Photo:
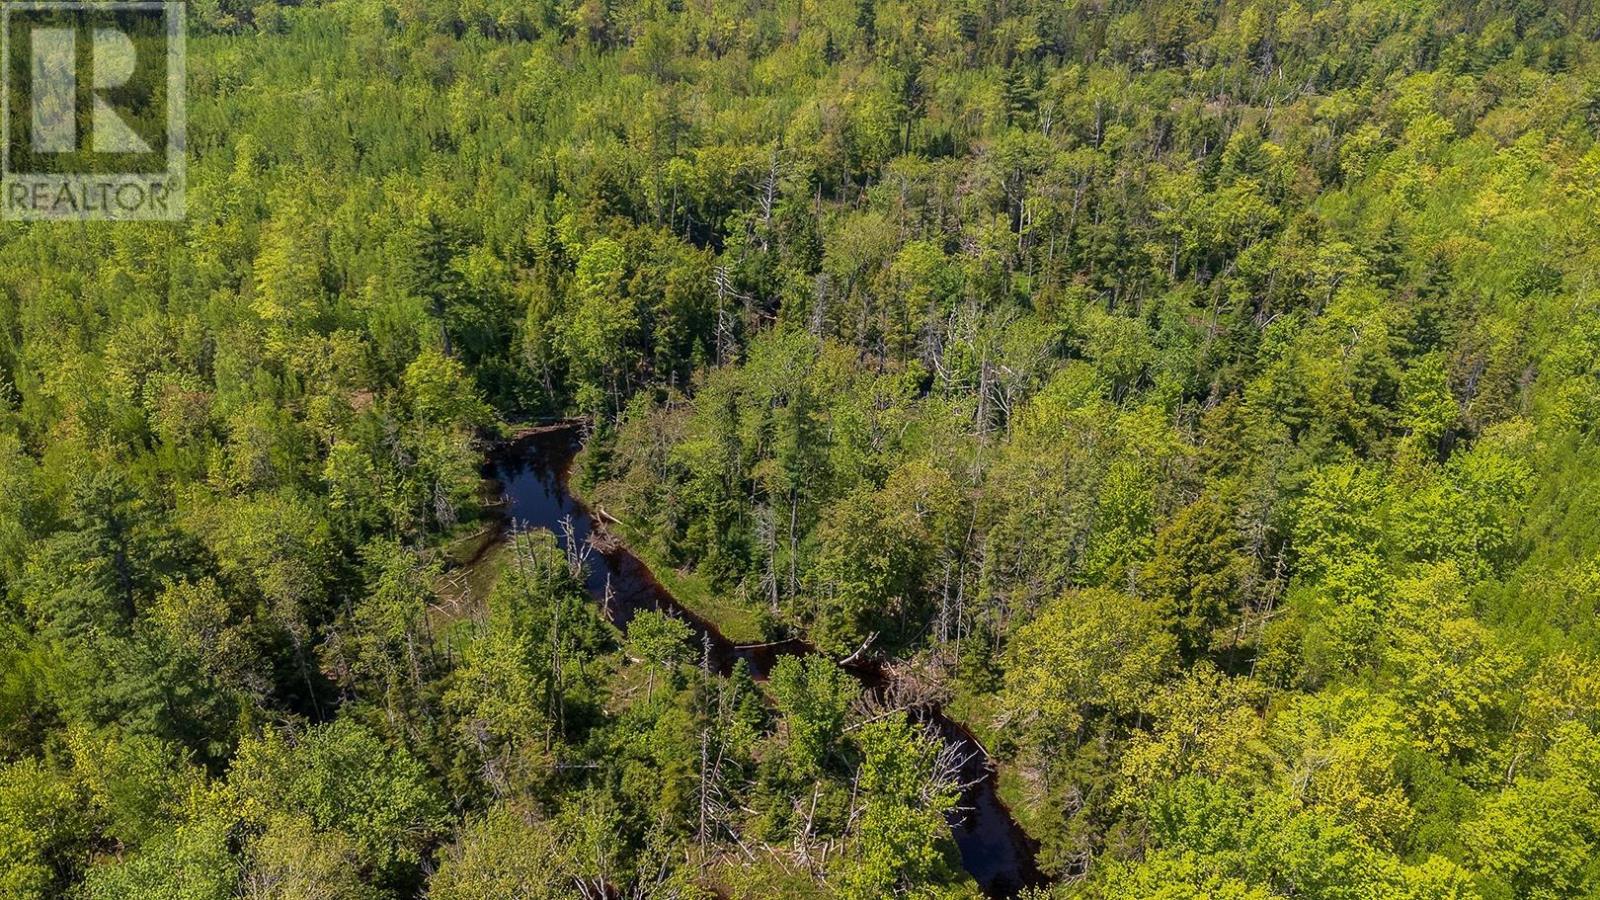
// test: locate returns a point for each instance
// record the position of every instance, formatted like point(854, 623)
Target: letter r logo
point(55, 106)
point(92, 109)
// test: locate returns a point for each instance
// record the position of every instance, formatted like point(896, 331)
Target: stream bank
point(532, 470)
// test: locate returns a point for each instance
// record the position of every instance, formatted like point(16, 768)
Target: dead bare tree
point(945, 774)
point(578, 552)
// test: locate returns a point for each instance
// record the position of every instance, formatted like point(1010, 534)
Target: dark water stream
point(532, 472)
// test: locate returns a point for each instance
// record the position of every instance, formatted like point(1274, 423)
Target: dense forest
point(1197, 399)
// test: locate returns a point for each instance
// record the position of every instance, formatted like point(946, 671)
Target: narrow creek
point(532, 472)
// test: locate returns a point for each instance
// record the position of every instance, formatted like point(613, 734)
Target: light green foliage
point(876, 550)
point(388, 651)
point(507, 853)
point(1169, 876)
point(1085, 649)
point(438, 390)
point(292, 859)
point(1466, 513)
point(1205, 724)
point(1537, 837)
point(603, 320)
point(44, 828)
point(901, 839)
point(19, 510)
point(1340, 534)
point(344, 780)
point(1426, 401)
point(1345, 750)
point(191, 861)
point(814, 696)
point(657, 640)
point(201, 625)
point(500, 696)
point(1453, 676)
point(289, 273)
point(138, 784)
